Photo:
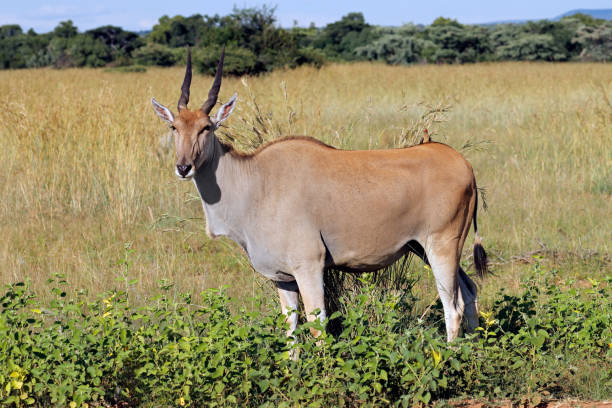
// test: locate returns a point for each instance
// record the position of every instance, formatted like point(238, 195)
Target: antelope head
point(194, 130)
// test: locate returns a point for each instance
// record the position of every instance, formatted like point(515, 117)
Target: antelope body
point(297, 206)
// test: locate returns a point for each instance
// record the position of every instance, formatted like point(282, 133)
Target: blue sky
point(44, 15)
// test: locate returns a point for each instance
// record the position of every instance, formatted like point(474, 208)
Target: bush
point(308, 56)
point(457, 43)
point(596, 42)
point(76, 352)
point(238, 61)
point(86, 51)
point(535, 47)
point(394, 49)
point(155, 54)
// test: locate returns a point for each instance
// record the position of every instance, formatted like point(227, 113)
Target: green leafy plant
point(181, 352)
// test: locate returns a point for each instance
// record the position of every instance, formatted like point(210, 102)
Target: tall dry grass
point(87, 170)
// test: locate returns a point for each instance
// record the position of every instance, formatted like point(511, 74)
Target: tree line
point(256, 44)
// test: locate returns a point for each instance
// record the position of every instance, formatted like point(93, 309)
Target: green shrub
point(596, 42)
point(535, 47)
point(394, 49)
point(238, 61)
point(307, 56)
point(74, 351)
point(155, 54)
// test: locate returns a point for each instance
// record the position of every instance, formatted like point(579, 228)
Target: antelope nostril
point(183, 169)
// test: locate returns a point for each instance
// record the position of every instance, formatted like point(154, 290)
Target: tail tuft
point(480, 258)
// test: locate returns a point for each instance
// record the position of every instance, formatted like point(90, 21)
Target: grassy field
point(88, 191)
point(87, 170)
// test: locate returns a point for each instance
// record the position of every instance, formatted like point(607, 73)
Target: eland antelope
point(298, 206)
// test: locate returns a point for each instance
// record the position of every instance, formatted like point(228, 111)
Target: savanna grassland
point(120, 306)
point(87, 168)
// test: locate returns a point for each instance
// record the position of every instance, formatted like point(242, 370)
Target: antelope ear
point(225, 110)
point(162, 111)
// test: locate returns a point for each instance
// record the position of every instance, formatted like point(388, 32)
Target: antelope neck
point(224, 183)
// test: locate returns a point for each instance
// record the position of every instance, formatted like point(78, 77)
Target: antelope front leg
point(289, 296)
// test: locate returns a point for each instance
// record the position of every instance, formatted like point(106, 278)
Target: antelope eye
point(172, 128)
point(204, 129)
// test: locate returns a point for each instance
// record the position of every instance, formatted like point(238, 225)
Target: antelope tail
point(480, 256)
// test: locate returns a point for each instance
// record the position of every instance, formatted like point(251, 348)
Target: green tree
point(19, 50)
point(585, 19)
point(254, 29)
point(238, 60)
point(402, 45)
point(595, 42)
point(502, 35)
point(10, 30)
point(534, 47)
point(443, 21)
point(155, 54)
point(537, 40)
point(341, 39)
point(86, 51)
point(561, 33)
point(120, 42)
point(454, 42)
point(304, 37)
point(65, 29)
point(177, 31)
point(249, 32)
point(256, 44)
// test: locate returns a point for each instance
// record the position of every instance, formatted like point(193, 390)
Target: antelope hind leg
point(469, 294)
point(444, 265)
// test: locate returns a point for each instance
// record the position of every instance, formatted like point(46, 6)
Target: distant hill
point(605, 14)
